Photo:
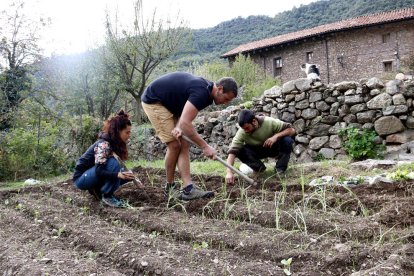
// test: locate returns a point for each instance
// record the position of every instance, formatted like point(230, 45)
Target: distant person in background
point(98, 169)
point(171, 103)
point(260, 137)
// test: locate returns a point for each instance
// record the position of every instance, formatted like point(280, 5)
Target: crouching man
point(260, 137)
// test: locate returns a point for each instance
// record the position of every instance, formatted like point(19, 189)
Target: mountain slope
point(212, 42)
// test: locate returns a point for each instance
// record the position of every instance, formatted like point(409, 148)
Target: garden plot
point(276, 228)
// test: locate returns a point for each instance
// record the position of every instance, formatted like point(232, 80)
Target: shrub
point(249, 76)
point(24, 153)
point(360, 144)
point(85, 132)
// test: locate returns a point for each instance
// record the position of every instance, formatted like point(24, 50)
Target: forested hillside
point(212, 42)
point(52, 107)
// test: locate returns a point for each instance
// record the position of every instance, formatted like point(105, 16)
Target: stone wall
point(317, 111)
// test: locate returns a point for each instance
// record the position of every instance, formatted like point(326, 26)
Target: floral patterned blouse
point(96, 155)
point(102, 152)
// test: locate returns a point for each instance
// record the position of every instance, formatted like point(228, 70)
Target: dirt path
point(59, 230)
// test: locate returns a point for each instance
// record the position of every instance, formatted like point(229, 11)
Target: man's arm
point(290, 131)
point(230, 175)
point(185, 125)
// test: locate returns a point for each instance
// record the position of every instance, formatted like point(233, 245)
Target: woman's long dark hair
point(110, 132)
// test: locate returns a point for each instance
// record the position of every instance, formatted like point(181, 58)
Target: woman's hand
point(126, 175)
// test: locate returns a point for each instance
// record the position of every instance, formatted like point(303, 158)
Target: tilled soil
point(60, 230)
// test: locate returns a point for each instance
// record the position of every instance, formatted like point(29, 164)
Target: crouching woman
point(98, 169)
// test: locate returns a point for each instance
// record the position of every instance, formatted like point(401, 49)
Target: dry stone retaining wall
point(317, 111)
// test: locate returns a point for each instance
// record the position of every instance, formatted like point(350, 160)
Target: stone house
point(361, 47)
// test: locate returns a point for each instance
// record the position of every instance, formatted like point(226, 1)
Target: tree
point(79, 84)
point(19, 48)
point(135, 54)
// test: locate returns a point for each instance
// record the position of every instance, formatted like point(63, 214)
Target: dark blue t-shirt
point(173, 90)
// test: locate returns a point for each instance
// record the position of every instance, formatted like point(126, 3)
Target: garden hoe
point(245, 177)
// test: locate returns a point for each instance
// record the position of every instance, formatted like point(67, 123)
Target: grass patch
point(156, 164)
point(15, 185)
point(11, 185)
point(208, 167)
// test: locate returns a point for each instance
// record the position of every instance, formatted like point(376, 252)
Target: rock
point(410, 122)
point(315, 96)
point(393, 87)
point(318, 130)
point(388, 125)
point(366, 117)
point(324, 180)
point(370, 164)
point(298, 149)
point(274, 92)
point(381, 101)
point(342, 248)
point(310, 113)
point(144, 263)
point(327, 153)
point(379, 179)
point(398, 99)
point(374, 83)
point(400, 138)
point(46, 260)
point(394, 110)
point(400, 76)
point(302, 139)
point(318, 142)
point(288, 87)
point(302, 104)
point(354, 99)
point(345, 85)
point(335, 142)
point(303, 84)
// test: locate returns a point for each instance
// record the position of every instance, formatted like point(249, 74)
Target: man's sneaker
point(113, 201)
point(96, 193)
point(195, 193)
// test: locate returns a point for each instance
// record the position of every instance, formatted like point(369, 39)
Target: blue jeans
point(89, 180)
point(251, 155)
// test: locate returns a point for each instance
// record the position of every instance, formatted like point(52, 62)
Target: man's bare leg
point(184, 163)
point(171, 158)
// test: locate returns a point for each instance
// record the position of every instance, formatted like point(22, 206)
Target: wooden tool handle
point(245, 177)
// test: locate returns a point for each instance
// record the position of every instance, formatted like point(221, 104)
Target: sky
point(78, 25)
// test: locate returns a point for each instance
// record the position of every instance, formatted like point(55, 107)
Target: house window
point(386, 38)
point(309, 57)
point(387, 66)
point(277, 65)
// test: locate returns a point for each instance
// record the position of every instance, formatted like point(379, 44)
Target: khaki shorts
point(162, 120)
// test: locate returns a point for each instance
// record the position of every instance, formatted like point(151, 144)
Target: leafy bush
point(360, 144)
point(244, 70)
point(44, 146)
point(257, 88)
point(400, 174)
point(247, 105)
point(24, 153)
point(85, 132)
point(212, 71)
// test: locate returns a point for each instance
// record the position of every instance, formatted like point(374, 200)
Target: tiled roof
point(362, 21)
